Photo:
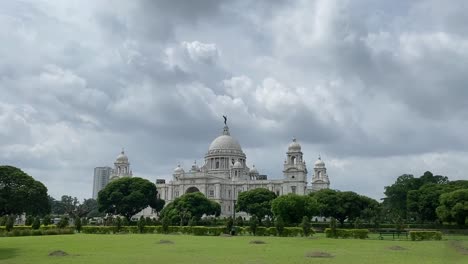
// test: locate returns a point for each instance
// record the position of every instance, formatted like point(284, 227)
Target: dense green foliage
point(420, 199)
point(189, 205)
point(292, 208)
point(256, 202)
point(127, 196)
point(20, 193)
point(347, 233)
point(346, 205)
point(36, 223)
point(454, 206)
point(425, 235)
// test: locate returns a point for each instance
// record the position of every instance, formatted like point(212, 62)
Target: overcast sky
point(377, 88)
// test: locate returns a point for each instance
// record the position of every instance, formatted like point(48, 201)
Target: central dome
point(225, 142)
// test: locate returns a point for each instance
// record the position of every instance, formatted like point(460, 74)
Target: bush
point(305, 226)
point(279, 224)
point(262, 231)
point(46, 221)
point(253, 224)
point(78, 224)
point(425, 235)
point(141, 224)
point(63, 222)
point(229, 225)
point(347, 233)
point(36, 223)
point(10, 221)
point(29, 220)
point(239, 221)
point(166, 221)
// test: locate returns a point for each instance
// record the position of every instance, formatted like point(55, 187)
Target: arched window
point(293, 160)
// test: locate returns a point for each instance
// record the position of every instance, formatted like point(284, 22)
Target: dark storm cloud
point(375, 83)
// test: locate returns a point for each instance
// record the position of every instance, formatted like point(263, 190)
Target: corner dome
point(178, 170)
point(254, 170)
point(294, 146)
point(319, 162)
point(122, 158)
point(237, 165)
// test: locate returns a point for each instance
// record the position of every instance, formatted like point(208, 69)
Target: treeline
point(426, 199)
point(266, 209)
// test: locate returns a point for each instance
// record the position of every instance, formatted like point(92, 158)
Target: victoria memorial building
point(225, 174)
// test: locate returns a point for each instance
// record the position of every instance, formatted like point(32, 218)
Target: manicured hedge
point(28, 231)
point(425, 235)
point(347, 233)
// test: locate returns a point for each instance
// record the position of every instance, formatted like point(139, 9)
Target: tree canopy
point(127, 196)
point(256, 202)
point(454, 206)
point(292, 208)
point(20, 193)
point(190, 205)
point(345, 205)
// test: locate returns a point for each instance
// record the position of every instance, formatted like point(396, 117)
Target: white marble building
point(225, 174)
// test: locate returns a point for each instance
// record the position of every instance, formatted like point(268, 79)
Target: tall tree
point(292, 208)
point(126, 196)
point(20, 193)
point(345, 205)
point(454, 206)
point(189, 205)
point(256, 202)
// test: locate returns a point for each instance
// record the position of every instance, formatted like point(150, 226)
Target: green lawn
point(134, 248)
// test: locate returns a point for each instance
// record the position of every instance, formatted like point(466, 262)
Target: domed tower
point(320, 179)
point(295, 170)
point(178, 172)
point(224, 152)
point(121, 167)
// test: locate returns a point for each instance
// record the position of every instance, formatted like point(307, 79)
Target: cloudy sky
point(378, 88)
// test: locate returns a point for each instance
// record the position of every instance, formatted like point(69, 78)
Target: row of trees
point(427, 199)
point(344, 206)
point(20, 193)
point(264, 206)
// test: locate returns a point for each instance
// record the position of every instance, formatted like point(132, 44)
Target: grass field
point(147, 248)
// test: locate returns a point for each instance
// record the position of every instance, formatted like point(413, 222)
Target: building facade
point(101, 179)
point(225, 174)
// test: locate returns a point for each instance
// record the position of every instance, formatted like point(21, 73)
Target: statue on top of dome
point(225, 120)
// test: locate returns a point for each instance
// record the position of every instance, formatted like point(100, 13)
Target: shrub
point(253, 224)
point(78, 224)
point(262, 231)
point(279, 224)
point(347, 233)
point(10, 221)
point(46, 221)
point(239, 221)
point(425, 235)
point(192, 221)
point(29, 220)
point(166, 221)
point(3, 220)
point(141, 224)
point(272, 231)
point(229, 224)
point(305, 226)
point(63, 222)
point(36, 223)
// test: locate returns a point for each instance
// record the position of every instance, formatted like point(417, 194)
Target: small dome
point(178, 170)
point(294, 146)
point(122, 158)
point(319, 163)
point(237, 165)
point(254, 170)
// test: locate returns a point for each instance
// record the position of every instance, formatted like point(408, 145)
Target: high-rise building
point(101, 179)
